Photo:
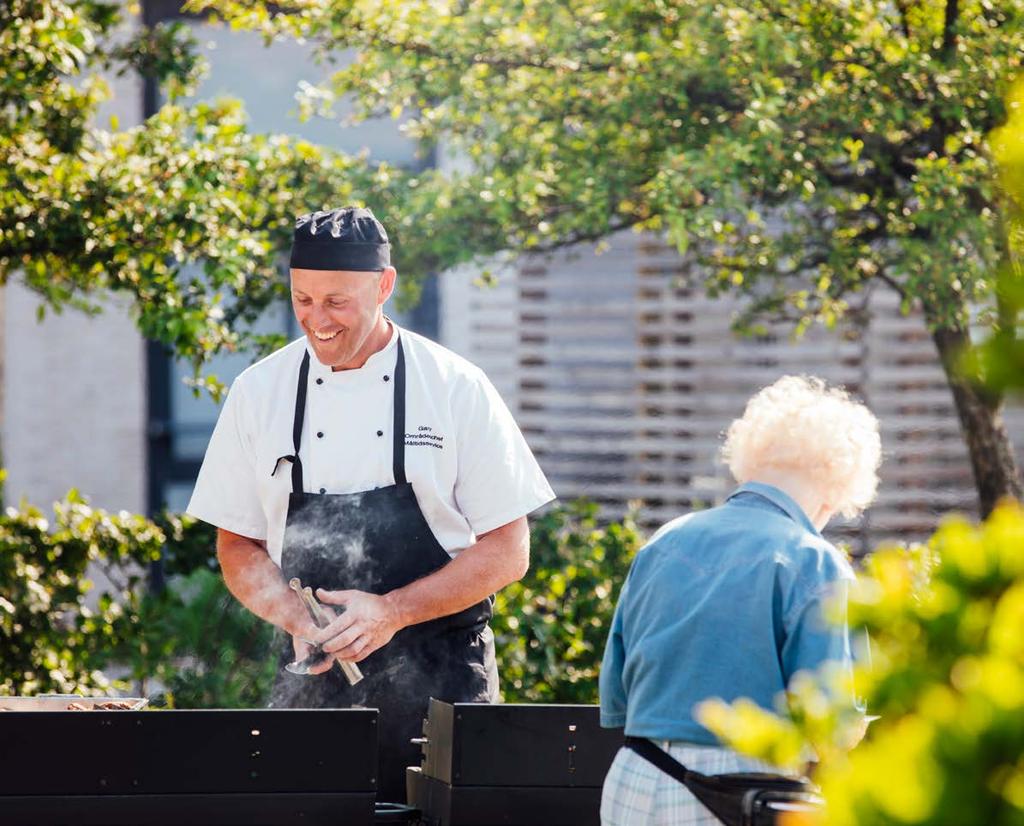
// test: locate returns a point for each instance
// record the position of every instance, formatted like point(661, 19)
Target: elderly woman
point(727, 602)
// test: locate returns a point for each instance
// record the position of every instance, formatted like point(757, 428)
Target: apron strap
point(300, 415)
point(398, 455)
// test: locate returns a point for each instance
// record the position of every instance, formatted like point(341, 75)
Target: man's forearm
point(496, 559)
point(256, 581)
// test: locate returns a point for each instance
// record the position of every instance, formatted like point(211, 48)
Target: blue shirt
point(724, 603)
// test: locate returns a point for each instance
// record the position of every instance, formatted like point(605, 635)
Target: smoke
point(353, 549)
point(325, 544)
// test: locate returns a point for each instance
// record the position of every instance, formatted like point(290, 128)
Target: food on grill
point(105, 705)
point(71, 702)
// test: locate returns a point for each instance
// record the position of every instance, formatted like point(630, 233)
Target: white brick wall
point(74, 406)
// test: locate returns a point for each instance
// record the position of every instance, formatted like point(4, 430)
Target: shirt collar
point(382, 360)
point(778, 498)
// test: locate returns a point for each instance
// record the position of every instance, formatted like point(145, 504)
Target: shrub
point(550, 627)
point(55, 635)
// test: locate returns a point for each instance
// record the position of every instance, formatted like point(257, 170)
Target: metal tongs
point(321, 619)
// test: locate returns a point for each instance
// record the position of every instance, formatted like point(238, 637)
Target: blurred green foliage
point(946, 678)
point(196, 647)
point(1000, 361)
point(60, 622)
point(551, 626)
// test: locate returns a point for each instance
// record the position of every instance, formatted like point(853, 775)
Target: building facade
point(624, 376)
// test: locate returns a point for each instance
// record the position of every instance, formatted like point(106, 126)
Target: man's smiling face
point(338, 309)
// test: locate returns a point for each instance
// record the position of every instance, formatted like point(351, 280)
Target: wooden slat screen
point(623, 376)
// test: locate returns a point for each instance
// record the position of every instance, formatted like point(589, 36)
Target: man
point(384, 472)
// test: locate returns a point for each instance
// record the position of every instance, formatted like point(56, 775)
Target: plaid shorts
point(637, 793)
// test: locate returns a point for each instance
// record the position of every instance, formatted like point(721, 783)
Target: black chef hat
point(350, 238)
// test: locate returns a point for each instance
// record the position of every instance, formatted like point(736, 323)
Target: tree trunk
point(992, 459)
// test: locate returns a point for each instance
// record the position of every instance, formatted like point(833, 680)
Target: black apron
point(377, 541)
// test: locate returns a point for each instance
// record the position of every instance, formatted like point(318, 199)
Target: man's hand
point(367, 624)
point(303, 650)
point(256, 581)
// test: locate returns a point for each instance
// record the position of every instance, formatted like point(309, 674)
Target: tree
point(799, 151)
point(186, 214)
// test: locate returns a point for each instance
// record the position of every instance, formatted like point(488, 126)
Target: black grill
point(171, 767)
point(542, 765)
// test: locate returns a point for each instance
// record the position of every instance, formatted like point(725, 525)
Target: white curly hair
point(801, 426)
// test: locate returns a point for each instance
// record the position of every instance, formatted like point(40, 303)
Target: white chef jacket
point(469, 465)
